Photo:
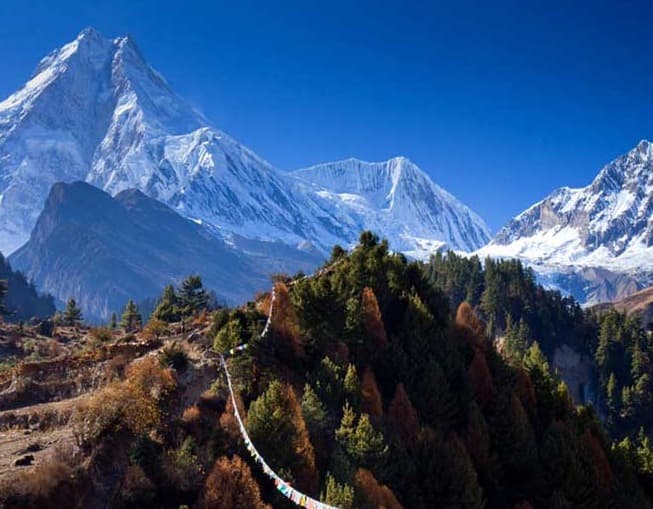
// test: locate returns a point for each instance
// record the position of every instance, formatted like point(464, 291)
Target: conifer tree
point(371, 402)
point(72, 315)
point(612, 394)
point(230, 484)
point(314, 412)
point(131, 319)
point(167, 308)
point(337, 494)
point(113, 324)
point(192, 295)
point(277, 427)
point(352, 386)
point(372, 494)
point(372, 320)
point(404, 415)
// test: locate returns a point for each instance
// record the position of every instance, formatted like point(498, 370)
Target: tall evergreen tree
point(72, 315)
point(192, 295)
point(131, 319)
point(167, 308)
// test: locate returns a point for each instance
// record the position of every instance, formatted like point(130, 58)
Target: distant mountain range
point(95, 111)
point(595, 242)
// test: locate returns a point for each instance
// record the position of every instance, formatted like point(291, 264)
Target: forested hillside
point(519, 311)
point(366, 390)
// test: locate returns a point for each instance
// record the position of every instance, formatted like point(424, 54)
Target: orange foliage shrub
point(371, 402)
point(404, 415)
point(191, 418)
point(230, 485)
point(481, 380)
point(372, 319)
point(374, 493)
point(133, 404)
point(154, 329)
point(228, 421)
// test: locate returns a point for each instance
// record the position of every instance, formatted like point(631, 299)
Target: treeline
point(20, 299)
point(506, 294)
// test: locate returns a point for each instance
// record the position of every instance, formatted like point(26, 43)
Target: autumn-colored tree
point(405, 416)
point(599, 459)
point(466, 317)
point(372, 494)
point(285, 323)
point(228, 421)
point(469, 326)
point(370, 396)
point(192, 420)
point(481, 379)
point(230, 485)
point(372, 319)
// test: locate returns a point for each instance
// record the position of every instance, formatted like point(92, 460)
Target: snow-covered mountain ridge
point(397, 198)
point(94, 110)
point(607, 225)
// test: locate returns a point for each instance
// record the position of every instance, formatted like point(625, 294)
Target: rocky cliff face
point(577, 371)
point(103, 251)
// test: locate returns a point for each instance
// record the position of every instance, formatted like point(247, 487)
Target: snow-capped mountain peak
point(95, 111)
point(607, 224)
point(396, 199)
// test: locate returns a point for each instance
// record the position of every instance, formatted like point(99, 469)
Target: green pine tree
point(72, 315)
point(352, 386)
point(167, 308)
point(337, 494)
point(314, 412)
point(192, 295)
point(131, 319)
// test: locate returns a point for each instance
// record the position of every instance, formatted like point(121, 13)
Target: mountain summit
point(95, 111)
point(397, 199)
point(605, 226)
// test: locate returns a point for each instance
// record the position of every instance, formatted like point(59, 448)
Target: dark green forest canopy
point(428, 407)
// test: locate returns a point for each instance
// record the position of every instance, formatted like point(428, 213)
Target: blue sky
point(500, 102)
